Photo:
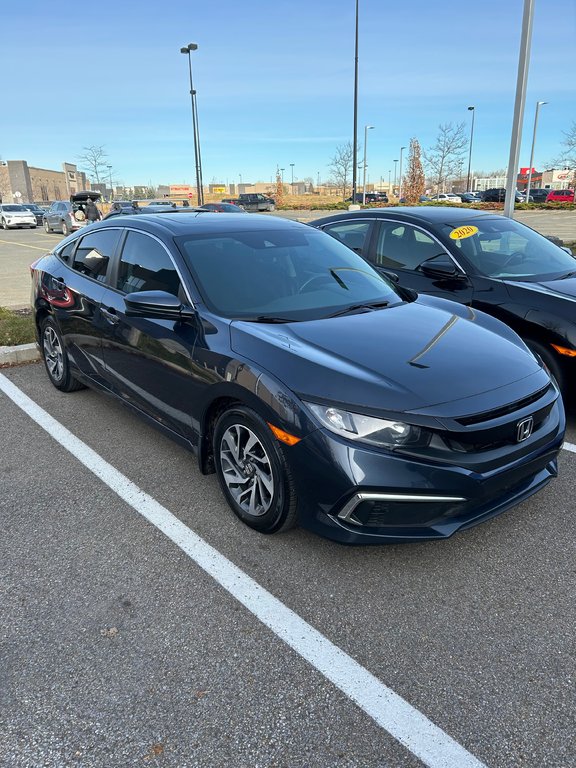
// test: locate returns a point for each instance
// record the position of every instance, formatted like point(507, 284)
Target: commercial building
point(22, 183)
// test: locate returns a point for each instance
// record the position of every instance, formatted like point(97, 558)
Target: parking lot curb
point(24, 353)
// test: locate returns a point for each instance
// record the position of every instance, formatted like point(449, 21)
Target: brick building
point(22, 183)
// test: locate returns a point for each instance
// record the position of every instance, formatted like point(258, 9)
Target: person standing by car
point(92, 212)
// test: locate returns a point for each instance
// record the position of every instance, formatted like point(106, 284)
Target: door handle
point(110, 316)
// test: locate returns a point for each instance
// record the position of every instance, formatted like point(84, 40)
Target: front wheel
point(4, 225)
point(47, 228)
point(252, 471)
point(550, 361)
point(56, 358)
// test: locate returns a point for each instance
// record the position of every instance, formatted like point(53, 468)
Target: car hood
point(407, 357)
point(565, 287)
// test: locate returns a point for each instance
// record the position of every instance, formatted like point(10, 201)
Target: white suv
point(16, 216)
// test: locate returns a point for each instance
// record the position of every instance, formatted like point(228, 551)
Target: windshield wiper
point(370, 306)
point(267, 319)
point(569, 274)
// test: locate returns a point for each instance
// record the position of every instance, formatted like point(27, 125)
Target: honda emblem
point(524, 429)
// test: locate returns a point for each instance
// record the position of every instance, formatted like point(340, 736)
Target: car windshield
point(283, 274)
point(13, 208)
point(502, 248)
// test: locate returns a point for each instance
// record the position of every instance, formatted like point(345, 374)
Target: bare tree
point(93, 161)
point(568, 157)
point(341, 166)
point(415, 183)
point(444, 158)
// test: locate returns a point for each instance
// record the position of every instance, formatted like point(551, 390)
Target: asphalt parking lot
point(126, 641)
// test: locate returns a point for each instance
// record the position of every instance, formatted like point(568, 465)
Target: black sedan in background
point(317, 390)
point(36, 210)
point(480, 259)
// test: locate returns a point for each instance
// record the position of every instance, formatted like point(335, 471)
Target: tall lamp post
point(282, 175)
point(400, 179)
point(355, 141)
point(395, 169)
point(110, 174)
point(470, 109)
point(193, 47)
point(389, 177)
point(366, 129)
point(292, 182)
point(538, 105)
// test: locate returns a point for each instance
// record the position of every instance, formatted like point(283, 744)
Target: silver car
point(64, 216)
point(16, 216)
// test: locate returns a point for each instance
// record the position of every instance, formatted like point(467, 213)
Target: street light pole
point(395, 169)
point(292, 182)
point(110, 174)
point(470, 109)
point(355, 142)
point(366, 129)
point(400, 179)
point(538, 105)
point(521, 82)
point(200, 192)
point(282, 175)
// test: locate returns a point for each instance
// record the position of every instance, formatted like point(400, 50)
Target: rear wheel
point(56, 358)
point(253, 472)
point(65, 229)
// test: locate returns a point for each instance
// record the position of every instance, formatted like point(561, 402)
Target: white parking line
point(389, 710)
point(569, 447)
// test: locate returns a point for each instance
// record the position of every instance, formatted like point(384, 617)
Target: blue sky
point(274, 82)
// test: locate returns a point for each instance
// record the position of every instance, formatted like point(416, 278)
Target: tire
point(56, 358)
point(4, 225)
point(271, 208)
point(65, 229)
point(253, 472)
point(550, 361)
point(47, 227)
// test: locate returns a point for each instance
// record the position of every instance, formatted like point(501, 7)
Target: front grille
point(478, 418)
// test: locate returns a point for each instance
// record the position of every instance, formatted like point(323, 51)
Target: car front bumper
point(355, 494)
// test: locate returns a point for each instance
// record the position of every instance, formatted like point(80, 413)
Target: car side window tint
point(66, 252)
point(404, 247)
point(354, 234)
point(94, 252)
point(146, 266)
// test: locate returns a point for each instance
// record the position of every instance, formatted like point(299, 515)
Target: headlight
point(367, 429)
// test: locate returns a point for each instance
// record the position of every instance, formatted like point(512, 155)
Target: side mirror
point(160, 304)
point(439, 267)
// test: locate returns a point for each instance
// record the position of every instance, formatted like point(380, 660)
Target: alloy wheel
point(247, 470)
point(53, 354)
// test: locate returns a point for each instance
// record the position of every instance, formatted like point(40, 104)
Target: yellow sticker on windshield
point(461, 232)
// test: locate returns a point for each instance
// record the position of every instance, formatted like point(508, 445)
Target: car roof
point(200, 222)
point(433, 214)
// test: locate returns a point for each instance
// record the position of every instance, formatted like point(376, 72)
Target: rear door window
point(94, 253)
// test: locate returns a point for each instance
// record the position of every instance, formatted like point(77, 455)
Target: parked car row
point(498, 195)
point(373, 413)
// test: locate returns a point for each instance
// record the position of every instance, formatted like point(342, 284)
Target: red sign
point(190, 194)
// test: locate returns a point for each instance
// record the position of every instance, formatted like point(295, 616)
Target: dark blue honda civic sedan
point(317, 390)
